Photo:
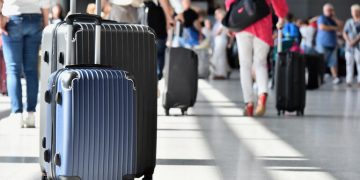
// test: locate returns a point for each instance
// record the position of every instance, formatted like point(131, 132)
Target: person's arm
point(3, 19)
point(45, 14)
point(281, 10)
point(355, 41)
point(328, 27)
point(219, 31)
point(324, 27)
point(197, 24)
point(345, 35)
point(45, 8)
point(168, 10)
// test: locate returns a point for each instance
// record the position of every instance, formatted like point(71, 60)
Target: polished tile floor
point(215, 142)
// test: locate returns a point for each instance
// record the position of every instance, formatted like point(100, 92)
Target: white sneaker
point(29, 120)
point(336, 81)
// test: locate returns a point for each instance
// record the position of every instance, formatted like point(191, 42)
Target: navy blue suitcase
point(91, 128)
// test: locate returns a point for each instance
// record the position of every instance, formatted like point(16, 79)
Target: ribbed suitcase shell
point(123, 46)
point(95, 127)
point(290, 82)
point(181, 78)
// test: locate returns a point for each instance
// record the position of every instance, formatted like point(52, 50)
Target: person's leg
point(32, 42)
point(261, 71)
point(349, 56)
point(357, 60)
point(260, 65)
point(245, 47)
point(332, 62)
point(13, 48)
point(161, 47)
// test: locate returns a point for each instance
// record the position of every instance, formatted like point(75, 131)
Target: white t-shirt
point(307, 33)
point(17, 7)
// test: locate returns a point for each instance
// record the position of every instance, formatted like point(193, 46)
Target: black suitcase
point(181, 79)
point(314, 66)
point(123, 46)
point(290, 85)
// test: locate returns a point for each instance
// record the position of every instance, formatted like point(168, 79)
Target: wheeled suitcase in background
point(123, 46)
point(204, 63)
point(290, 82)
point(91, 125)
point(314, 65)
point(181, 79)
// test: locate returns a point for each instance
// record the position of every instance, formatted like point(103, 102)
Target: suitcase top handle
point(87, 17)
point(69, 21)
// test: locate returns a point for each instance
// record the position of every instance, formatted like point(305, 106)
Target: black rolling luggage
point(128, 47)
point(181, 76)
point(314, 65)
point(181, 79)
point(290, 82)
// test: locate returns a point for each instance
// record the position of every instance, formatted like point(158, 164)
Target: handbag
point(243, 13)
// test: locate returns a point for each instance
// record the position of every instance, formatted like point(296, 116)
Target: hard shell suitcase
point(181, 79)
point(123, 46)
point(290, 85)
point(91, 125)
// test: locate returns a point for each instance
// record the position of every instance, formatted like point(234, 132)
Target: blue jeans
point(329, 54)
point(21, 52)
point(160, 48)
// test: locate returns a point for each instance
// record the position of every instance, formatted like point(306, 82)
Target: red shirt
point(263, 28)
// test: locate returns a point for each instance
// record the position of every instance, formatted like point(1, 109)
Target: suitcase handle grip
point(77, 66)
point(72, 17)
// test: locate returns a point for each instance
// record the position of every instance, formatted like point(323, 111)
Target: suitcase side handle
point(87, 17)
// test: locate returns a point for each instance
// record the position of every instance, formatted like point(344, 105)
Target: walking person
point(326, 39)
point(253, 45)
point(351, 35)
point(220, 67)
point(22, 23)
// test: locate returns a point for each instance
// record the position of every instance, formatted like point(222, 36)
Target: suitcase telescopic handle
point(70, 20)
point(279, 39)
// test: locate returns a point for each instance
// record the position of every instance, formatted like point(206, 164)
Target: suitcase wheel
point(43, 177)
point(184, 111)
point(300, 113)
point(61, 58)
point(58, 98)
point(281, 112)
point(46, 57)
point(167, 112)
point(147, 177)
point(47, 96)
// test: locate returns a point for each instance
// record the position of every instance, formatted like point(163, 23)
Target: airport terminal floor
point(215, 142)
